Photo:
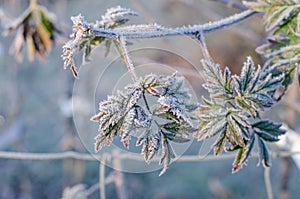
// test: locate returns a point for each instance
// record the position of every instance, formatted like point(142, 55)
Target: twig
point(47, 156)
point(123, 156)
point(268, 183)
point(102, 178)
point(209, 14)
point(137, 33)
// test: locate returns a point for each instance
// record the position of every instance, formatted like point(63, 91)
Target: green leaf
point(107, 47)
point(238, 162)
point(115, 16)
point(112, 114)
point(178, 132)
point(264, 156)
point(151, 144)
point(255, 88)
point(167, 155)
point(128, 113)
point(268, 130)
point(247, 74)
point(235, 116)
point(175, 137)
point(235, 133)
point(243, 154)
point(87, 53)
point(218, 84)
point(282, 48)
point(259, 6)
point(219, 145)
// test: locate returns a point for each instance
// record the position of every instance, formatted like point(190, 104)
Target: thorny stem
point(126, 58)
point(163, 32)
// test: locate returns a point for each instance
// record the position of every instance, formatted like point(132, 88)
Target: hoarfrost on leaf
point(128, 111)
point(233, 111)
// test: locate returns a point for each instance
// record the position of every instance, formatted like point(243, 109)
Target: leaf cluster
point(36, 28)
point(233, 111)
point(82, 38)
point(282, 22)
point(128, 114)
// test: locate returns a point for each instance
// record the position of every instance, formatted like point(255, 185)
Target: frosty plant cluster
point(233, 109)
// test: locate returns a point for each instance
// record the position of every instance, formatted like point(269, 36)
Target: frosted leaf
point(143, 119)
point(115, 16)
point(234, 109)
point(167, 154)
point(116, 113)
point(219, 85)
point(255, 91)
point(83, 37)
point(282, 50)
point(151, 144)
point(128, 112)
point(127, 127)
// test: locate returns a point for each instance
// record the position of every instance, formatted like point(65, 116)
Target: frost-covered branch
point(235, 104)
point(135, 32)
point(123, 156)
point(86, 35)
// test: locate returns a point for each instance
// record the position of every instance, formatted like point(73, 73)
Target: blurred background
point(36, 112)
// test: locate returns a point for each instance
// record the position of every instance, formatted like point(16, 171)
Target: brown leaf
point(45, 37)
point(18, 45)
point(30, 48)
point(74, 70)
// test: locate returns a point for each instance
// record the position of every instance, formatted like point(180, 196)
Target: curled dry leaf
point(35, 28)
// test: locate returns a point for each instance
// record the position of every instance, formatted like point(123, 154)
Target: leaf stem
point(268, 183)
point(126, 58)
point(146, 102)
point(205, 52)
